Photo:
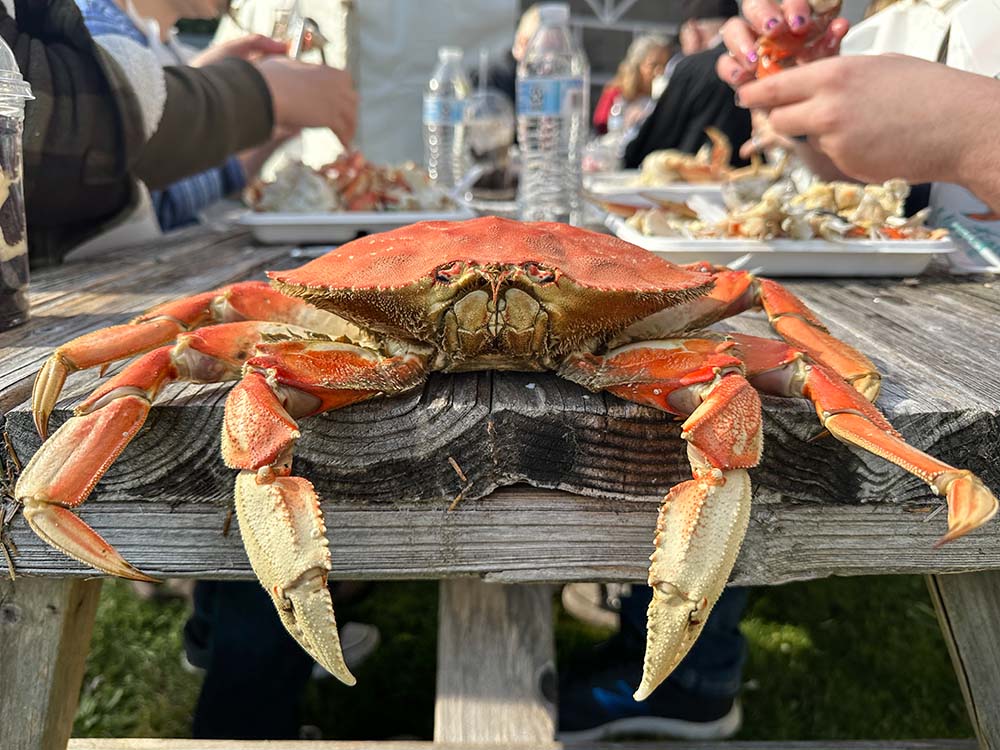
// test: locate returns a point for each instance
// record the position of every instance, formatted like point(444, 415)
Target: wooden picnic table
point(556, 485)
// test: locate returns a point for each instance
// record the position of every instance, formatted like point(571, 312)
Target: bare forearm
point(977, 153)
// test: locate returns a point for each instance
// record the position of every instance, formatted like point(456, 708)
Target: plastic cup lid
point(553, 13)
point(11, 82)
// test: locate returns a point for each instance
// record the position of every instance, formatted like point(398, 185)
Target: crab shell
point(491, 291)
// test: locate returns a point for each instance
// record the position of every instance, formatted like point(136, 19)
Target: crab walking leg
point(64, 471)
point(774, 367)
point(737, 291)
point(702, 521)
point(279, 514)
point(251, 300)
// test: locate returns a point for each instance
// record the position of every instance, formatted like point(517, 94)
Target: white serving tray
point(623, 187)
point(336, 227)
point(785, 257)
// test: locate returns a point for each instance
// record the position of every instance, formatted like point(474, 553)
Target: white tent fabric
point(397, 50)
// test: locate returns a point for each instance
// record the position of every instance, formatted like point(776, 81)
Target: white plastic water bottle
point(552, 107)
point(444, 131)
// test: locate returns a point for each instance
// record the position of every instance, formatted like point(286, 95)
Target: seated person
point(152, 27)
point(503, 76)
point(88, 139)
point(695, 98)
point(632, 87)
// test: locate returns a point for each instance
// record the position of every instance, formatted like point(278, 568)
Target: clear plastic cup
point(14, 92)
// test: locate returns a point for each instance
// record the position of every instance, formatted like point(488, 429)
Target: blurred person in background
point(89, 137)
point(695, 97)
point(630, 92)
point(115, 24)
point(503, 75)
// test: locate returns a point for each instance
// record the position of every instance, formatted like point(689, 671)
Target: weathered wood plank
point(45, 627)
point(496, 678)
point(524, 535)
point(153, 744)
point(968, 608)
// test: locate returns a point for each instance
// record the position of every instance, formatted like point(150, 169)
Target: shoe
point(357, 641)
point(595, 703)
point(596, 604)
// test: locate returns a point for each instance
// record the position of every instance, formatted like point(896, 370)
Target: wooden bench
point(557, 485)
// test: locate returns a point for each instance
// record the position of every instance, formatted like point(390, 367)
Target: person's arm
point(210, 113)
point(932, 123)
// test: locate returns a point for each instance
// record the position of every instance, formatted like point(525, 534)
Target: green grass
point(858, 658)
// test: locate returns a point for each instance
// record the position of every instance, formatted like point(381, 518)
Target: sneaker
point(589, 603)
point(357, 641)
point(598, 705)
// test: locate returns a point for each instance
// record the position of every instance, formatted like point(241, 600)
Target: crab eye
point(448, 273)
point(538, 273)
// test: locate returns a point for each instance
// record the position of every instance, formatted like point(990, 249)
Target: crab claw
point(64, 471)
point(698, 535)
point(970, 503)
point(285, 539)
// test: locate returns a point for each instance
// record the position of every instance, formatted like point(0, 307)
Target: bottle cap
point(553, 14)
point(445, 53)
point(11, 82)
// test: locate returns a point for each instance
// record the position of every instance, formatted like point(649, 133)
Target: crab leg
point(737, 291)
point(69, 464)
point(774, 367)
point(251, 300)
point(279, 514)
point(702, 521)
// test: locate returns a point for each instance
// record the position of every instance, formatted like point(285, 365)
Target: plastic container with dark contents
point(14, 91)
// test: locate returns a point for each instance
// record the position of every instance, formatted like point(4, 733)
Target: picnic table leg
point(968, 608)
point(45, 627)
point(496, 677)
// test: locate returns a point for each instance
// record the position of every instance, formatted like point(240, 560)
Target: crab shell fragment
point(376, 316)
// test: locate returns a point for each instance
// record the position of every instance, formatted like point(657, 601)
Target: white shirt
point(963, 34)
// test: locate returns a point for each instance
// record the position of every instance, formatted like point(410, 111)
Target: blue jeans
point(714, 665)
point(255, 672)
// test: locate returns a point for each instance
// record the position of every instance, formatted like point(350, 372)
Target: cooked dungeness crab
point(783, 51)
point(376, 316)
point(710, 164)
point(349, 183)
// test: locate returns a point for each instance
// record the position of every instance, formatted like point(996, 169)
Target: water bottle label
point(549, 97)
point(442, 110)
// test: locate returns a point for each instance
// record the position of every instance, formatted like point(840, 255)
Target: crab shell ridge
point(403, 282)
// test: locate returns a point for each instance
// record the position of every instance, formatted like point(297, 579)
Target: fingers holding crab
point(280, 519)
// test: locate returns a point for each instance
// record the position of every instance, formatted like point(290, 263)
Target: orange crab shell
point(406, 256)
point(400, 282)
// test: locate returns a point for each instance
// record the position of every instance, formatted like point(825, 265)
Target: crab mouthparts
point(504, 322)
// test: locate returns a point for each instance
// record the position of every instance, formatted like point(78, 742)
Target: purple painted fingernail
point(751, 56)
point(798, 22)
point(771, 23)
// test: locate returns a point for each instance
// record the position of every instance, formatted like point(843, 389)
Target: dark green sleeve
point(210, 114)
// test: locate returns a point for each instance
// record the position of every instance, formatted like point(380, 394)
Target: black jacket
point(695, 99)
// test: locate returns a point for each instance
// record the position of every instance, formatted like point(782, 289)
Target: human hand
point(305, 95)
point(250, 47)
point(252, 160)
point(879, 117)
point(794, 22)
